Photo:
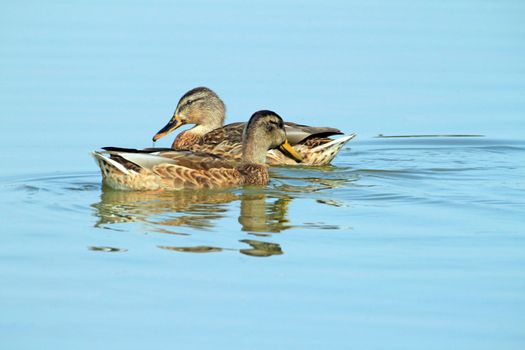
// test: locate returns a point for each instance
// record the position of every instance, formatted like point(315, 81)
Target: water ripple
point(301, 199)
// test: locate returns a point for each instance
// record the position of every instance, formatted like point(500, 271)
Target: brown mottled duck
point(203, 107)
point(151, 170)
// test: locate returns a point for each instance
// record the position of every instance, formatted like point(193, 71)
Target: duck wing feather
point(296, 133)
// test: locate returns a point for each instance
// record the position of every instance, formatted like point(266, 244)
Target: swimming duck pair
point(211, 155)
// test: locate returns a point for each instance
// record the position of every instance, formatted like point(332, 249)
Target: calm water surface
point(415, 237)
point(404, 243)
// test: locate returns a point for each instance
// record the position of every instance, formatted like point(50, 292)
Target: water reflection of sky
point(405, 243)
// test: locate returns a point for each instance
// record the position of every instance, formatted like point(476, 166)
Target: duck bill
point(288, 151)
point(173, 124)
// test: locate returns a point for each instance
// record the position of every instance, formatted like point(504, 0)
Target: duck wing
point(150, 158)
point(171, 170)
point(297, 133)
point(134, 150)
point(230, 133)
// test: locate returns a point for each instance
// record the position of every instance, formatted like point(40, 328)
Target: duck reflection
point(160, 211)
point(261, 249)
point(260, 214)
point(258, 248)
point(257, 215)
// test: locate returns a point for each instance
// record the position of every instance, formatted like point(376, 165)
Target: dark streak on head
point(265, 114)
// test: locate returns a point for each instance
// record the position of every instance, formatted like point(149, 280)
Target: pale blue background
point(429, 250)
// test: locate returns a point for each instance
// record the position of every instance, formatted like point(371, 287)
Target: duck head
point(200, 106)
point(265, 131)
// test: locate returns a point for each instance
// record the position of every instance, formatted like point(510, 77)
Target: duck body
point(311, 143)
point(202, 107)
point(154, 170)
point(167, 170)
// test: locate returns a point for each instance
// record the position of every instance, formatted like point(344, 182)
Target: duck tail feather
point(105, 162)
point(337, 143)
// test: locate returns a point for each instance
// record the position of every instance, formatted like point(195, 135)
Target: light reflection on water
point(261, 211)
point(439, 217)
point(377, 172)
point(197, 210)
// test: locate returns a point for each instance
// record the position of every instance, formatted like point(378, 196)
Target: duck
point(203, 108)
point(169, 170)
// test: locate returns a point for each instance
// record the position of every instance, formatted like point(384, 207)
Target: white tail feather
point(100, 158)
point(144, 160)
point(339, 142)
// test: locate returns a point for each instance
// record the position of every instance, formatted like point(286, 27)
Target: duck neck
point(188, 138)
point(254, 150)
point(202, 129)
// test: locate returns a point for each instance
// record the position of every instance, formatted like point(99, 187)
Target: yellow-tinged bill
point(173, 124)
point(288, 151)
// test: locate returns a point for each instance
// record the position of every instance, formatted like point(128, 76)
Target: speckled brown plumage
point(177, 177)
point(185, 141)
point(203, 108)
point(297, 134)
point(312, 153)
point(231, 133)
point(226, 142)
point(184, 174)
point(254, 174)
point(151, 170)
point(315, 141)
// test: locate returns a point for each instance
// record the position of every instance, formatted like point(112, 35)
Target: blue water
point(404, 243)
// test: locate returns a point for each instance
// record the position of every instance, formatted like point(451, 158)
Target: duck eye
point(189, 102)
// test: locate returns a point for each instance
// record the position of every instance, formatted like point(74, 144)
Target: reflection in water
point(196, 249)
point(258, 216)
point(262, 211)
point(313, 180)
point(163, 212)
point(315, 185)
point(107, 249)
point(258, 248)
point(195, 209)
point(261, 249)
point(331, 202)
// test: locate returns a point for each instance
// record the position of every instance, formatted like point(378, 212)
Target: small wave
point(427, 136)
point(54, 182)
point(439, 142)
point(49, 177)
point(384, 173)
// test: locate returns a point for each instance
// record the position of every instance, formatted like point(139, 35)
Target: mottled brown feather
point(231, 132)
point(226, 143)
point(185, 140)
point(174, 176)
point(254, 174)
point(315, 141)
